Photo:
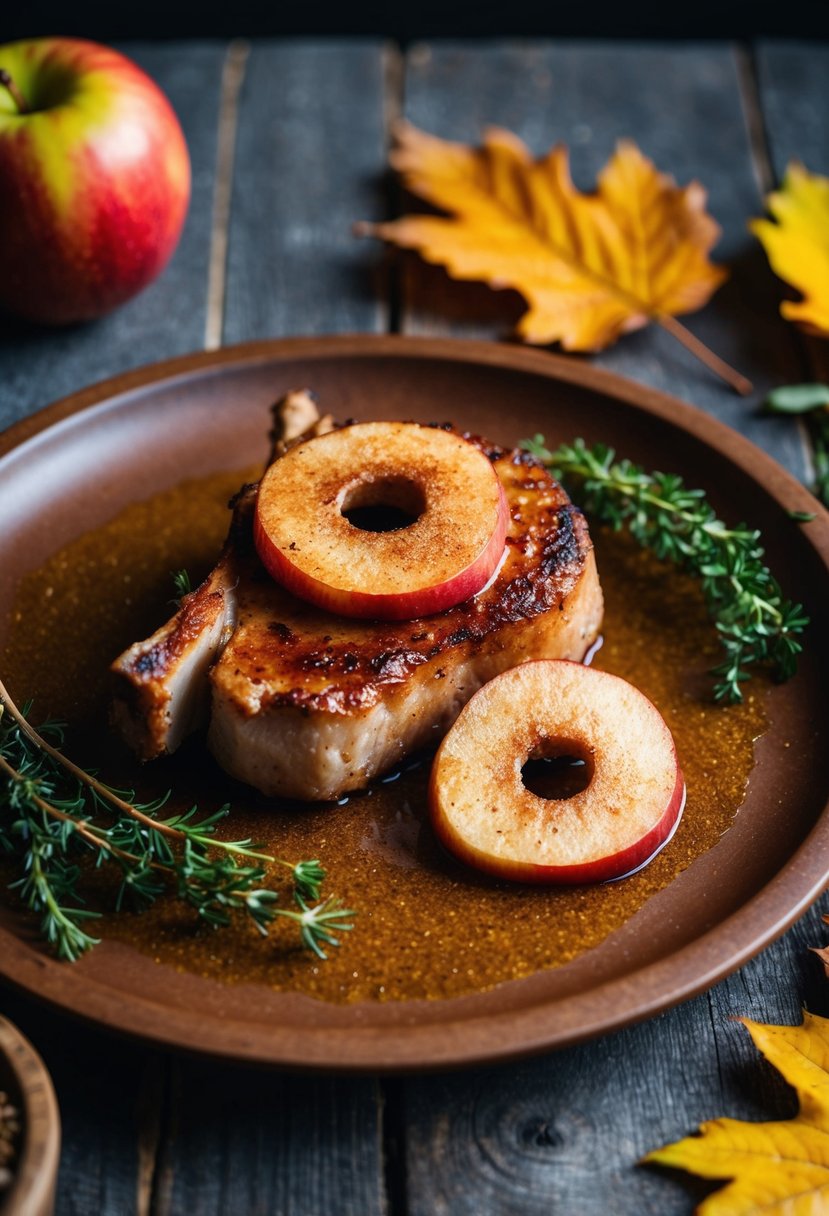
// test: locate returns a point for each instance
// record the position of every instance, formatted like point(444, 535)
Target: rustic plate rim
point(409, 1047)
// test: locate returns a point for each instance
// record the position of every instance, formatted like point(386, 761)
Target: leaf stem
point(734, 379)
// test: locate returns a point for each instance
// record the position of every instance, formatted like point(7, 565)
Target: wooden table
point(288, 142)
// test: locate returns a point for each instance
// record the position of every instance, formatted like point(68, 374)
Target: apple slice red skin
point(426, 601)
point(307, 542)
point(603, 869)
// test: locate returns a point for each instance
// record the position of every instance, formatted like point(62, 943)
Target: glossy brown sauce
point(425, 925)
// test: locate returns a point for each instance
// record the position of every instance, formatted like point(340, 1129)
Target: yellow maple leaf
point(777, 1169)
point(798, 245)
point(590, 266)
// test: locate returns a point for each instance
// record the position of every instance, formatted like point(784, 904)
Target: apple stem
point(16, 96)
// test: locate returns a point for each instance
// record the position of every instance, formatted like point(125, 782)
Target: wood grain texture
point(794, 93)
point(238, 1142)
point(682, 106)
point(563, 1133)
point(107, 1091)
point(793, 82)
point(39, 364)
point(310, 150)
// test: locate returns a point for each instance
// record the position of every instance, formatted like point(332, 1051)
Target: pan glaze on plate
point(75, 465)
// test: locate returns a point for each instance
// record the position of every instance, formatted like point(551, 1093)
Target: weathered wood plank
point(240, 1142)
point(682, 106)
point(38, 365)
point(793, 81)
point(564, 1133)
point(109, 1092)
point(310, 153)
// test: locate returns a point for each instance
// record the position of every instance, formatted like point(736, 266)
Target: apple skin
point(363, 605)
point(94, 180)
point(301, 494)
point(605, 869)
point(616, 862)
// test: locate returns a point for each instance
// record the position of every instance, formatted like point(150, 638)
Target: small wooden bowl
point(24, 1078)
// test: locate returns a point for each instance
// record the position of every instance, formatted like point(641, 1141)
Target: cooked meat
point(304, 704)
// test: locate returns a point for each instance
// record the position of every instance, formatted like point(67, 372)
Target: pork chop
point(309, 705)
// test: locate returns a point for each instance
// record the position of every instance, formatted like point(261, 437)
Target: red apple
point(94, 179)
point(384, 520)
point(484, 814)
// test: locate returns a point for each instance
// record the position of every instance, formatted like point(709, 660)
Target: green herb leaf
point(797, 398)
point(50, 816)
point(756, 625)
point(182, 585)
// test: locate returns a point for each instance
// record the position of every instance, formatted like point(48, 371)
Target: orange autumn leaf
point(779, 1169)
point(590, 266)
point(823, 952)
point(797, 245)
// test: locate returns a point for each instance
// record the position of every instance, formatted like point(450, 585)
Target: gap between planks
point(766, 178)
point(392, 1096)
point(233, 77)
point(152, 1117)
point(394, 96)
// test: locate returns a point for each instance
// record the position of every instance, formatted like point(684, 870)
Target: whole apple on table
point(94, 179)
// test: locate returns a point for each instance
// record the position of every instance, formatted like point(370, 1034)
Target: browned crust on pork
point(199, 610)
point(142, 692)
point(287, 653)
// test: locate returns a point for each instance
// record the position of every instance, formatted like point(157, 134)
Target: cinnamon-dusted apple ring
point(390, 520)
point(630, 807)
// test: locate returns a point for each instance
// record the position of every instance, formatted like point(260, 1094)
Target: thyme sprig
point(756, 625)
point(51, 814)
point(181, 584)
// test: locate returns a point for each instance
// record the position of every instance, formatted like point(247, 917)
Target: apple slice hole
point(556, 778)
point(386, 504)
point(557, 769)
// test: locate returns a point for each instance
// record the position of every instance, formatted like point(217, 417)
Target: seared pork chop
point(306, 704)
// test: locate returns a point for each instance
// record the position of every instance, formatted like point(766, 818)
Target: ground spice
point(427, 926)
point(9, 1138)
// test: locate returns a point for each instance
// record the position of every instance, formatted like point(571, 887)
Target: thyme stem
point(756, 625)
point(51, 806)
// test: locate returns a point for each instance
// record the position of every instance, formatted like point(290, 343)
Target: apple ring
point(484, 814)
point(388, 520)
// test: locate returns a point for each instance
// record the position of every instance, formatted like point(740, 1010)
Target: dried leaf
point(590, 266)
point(779, 1169)
point(798, 245)
point(823, 954)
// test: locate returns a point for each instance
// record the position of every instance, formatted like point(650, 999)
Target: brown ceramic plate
point(76, 464)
